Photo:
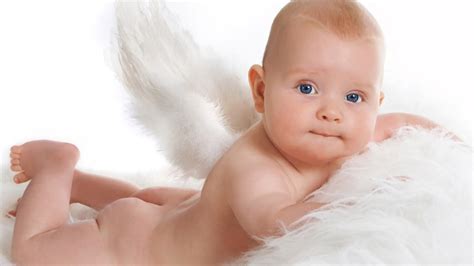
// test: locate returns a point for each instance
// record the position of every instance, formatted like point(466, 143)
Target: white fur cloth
point(406, 200)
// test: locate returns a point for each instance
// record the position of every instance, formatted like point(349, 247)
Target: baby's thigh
point(76, 243)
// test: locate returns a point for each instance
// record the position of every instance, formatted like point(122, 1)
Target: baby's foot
point(41, 155)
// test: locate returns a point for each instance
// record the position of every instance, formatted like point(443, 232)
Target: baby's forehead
point(344, 18)
point(304, 41)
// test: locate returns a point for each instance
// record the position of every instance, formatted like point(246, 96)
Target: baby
point(319, 92)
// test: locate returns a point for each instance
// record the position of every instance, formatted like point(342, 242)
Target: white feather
point(194, 106)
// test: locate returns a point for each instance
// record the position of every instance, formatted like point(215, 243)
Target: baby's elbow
point(269, 228)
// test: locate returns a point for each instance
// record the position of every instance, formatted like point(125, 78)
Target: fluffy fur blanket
point(405, 200)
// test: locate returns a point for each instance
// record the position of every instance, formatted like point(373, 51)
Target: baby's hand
point(388, 124)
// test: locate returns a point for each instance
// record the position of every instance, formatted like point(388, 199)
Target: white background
point(55, 82)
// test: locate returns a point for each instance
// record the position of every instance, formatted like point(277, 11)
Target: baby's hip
point(127, 225)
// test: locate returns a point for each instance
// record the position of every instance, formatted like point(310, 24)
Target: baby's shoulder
point(251, 166)
point(246, 160)
point(255, 173)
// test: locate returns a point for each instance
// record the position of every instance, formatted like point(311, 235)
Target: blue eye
point(306, 89)
point(353, 97)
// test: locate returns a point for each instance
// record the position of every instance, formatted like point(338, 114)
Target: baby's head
point(319, 88)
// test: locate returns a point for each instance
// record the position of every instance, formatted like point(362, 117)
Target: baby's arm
point(387, 124)
point(262, 201)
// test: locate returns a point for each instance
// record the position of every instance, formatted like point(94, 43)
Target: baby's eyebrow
point(364, 86)
point(298, 71)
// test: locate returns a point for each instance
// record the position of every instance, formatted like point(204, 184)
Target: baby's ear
point(382, 96)
point(257, 85)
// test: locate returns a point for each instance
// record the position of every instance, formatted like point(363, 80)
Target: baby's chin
point(321, 157)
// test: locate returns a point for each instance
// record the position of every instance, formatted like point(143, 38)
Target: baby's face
point(322, 94)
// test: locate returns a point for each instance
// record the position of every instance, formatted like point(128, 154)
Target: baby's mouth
point(323, 134)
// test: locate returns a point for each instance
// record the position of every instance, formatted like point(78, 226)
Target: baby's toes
point(15, 149)
point(20, 178)
point(15, 164)
point(15, 161)
point(16, 168)
point(15, 152)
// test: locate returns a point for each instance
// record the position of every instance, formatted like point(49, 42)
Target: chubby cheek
point(361, 133)
point(283, 120)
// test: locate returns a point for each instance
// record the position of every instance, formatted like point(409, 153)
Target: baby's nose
point(329, 114)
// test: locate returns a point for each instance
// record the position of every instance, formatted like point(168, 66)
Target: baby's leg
point(41, 233)
point(45, 202)
point(98, 191)
point(91, 190)
point(168, 196)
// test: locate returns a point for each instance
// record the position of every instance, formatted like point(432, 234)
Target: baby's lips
point(324, 134)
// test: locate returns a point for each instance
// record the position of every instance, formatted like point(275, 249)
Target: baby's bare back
point(200, 230)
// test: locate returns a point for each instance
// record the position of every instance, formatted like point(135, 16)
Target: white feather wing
point(192, 104)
